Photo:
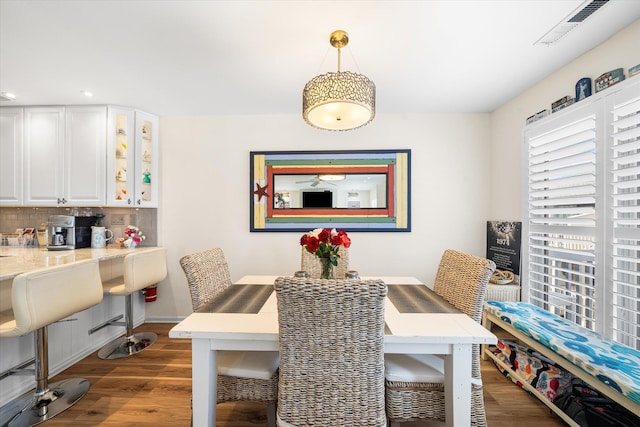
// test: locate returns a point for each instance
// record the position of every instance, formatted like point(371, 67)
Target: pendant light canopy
point(339, 101)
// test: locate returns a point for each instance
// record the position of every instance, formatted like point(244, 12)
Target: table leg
point(457, 387)
point(204, 380)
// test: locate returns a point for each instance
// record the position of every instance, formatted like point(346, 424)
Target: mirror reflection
point(330, 191)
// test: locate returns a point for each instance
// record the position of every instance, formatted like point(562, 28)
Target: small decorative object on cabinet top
point(561, 103)
point(609, 79)
point(583, 88)
point(537, 116)
point(324, 243)
point(133, 237)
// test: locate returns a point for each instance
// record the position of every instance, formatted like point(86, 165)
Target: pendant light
point(339, 101)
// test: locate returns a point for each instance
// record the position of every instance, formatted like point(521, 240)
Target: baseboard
point(164, 319)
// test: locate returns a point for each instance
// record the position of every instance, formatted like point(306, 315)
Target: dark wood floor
point(153, 388)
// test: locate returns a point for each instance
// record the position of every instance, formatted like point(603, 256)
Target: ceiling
point(254, 57)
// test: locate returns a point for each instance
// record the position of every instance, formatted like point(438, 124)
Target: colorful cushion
point(541, 373)
point(616, 365)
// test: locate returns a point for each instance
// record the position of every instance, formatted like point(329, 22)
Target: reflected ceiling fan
point(322, 178)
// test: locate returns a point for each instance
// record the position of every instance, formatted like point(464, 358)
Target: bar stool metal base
point(31, 409)
point(127, 346)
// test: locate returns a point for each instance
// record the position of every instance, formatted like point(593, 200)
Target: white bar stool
point(40, 298)
point(141, 269)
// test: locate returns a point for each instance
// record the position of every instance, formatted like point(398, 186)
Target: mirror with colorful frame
point(363, 190)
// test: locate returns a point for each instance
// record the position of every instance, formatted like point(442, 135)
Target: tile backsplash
point(115, 219)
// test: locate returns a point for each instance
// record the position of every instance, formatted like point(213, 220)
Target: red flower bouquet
point(325, 243)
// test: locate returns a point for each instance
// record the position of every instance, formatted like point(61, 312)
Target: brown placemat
point(239, 299)
point(418, 299)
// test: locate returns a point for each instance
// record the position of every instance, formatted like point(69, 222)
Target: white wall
point(206, 189)
point(507, 122)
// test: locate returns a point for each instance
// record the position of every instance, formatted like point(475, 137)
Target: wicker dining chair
point(331, 352)
point(208, 275)
point(311, 264)
point(414, 384)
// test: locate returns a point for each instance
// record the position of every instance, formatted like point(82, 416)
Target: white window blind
point(561, 216)
point(581, 230)
point(624, 181)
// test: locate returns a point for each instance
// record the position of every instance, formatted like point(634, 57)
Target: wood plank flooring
point(153, 388)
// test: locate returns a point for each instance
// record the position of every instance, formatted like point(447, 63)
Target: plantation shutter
point(581, 223)
point(624, 241)
point(561, 188)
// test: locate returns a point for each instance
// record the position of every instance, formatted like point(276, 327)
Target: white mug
point(99, 237)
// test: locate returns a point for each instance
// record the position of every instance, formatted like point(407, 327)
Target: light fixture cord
point(339, 60)
point(353, 58)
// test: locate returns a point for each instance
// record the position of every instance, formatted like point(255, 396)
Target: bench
point(611, 368)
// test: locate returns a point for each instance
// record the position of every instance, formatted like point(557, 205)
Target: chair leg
point(271, 414)
point(130, 343)
point(48, 400)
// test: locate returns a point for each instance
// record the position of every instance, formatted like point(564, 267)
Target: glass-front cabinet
point(132, 158)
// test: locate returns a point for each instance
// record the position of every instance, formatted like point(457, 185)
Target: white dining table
point(449, 334)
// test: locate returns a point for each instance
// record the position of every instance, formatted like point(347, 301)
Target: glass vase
point(326, 268)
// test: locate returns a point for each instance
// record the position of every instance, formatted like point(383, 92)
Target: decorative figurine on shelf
point(146, 178)
point(583, 88)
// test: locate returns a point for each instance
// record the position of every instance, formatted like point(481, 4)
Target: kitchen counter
point(16, 260)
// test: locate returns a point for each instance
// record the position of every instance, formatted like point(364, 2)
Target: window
point(581, 233)
point(623, 183)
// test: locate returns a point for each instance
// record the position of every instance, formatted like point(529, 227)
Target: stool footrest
point(111, 322)
point(19, 369)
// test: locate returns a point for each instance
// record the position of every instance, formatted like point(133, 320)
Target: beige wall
point(466, 169)
point(206, 189)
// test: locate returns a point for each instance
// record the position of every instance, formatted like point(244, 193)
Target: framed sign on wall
point(358, 190)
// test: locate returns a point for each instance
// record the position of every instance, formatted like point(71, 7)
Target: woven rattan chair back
point(207, 275)
point(331, 352)
point(462, 280)
point(311, 264)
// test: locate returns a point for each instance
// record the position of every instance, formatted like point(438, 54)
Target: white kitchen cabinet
point(132, 158)
point(85, 156)
point(43, 156)
point(11, 124)
point(65, 156)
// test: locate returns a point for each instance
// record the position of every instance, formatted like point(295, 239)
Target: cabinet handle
point(128, 201)
point(138, 202)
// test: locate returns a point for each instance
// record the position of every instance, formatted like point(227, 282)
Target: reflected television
point(317, 199)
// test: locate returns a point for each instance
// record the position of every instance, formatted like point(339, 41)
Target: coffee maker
point(62, 234)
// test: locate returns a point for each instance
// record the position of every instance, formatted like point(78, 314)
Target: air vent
point(571, 21)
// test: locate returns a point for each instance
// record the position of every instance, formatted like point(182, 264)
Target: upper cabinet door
point(146, 169)
point(64, 156)
point(120, 157)
point(11, 123)
point(43, 156)
point(85, 156)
